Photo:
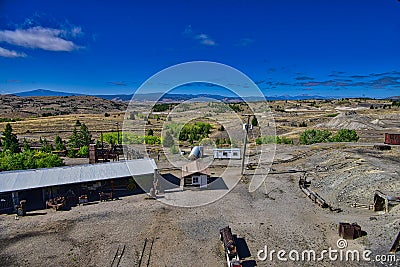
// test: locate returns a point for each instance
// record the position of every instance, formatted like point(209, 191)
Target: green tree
point(10, 140)
point(47, 160)
point(168, 140)
point(26, 145)
point(85, 137)
point(81, 138)
point(254, 121)
point(74, 139)
point(28, 160)
point(46, 146)
point(59, 143)
point(217, 142)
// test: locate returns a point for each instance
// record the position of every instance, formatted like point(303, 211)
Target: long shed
point(36, 183)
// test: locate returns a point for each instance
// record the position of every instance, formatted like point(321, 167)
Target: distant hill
point(12, 106)
point(167, 97)
point(176, 97)
point(44, 92)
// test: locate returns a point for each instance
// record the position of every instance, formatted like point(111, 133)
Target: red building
point(392, 139)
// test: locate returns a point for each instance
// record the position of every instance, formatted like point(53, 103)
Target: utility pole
point(245, 141)
point(117, 133)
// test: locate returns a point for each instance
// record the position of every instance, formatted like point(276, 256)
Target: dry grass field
point(278, 214)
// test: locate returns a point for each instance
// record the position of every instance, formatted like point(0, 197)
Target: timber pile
point(304, 186)
point(395, 244)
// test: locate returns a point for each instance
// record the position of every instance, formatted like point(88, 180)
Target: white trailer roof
point(226, 149)
point(28, 179)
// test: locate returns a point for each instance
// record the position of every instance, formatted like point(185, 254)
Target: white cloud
point(10, 53)
point(43, 38)
point(245, 42)
point(188, 30)
point(203, 38)
point(209, 42)
point(76, 31)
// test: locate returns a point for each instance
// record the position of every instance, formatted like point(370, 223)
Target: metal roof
point(193, 167)
point(226, 149)
point(28, 179)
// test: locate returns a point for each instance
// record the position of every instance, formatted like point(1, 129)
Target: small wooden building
point(392, 139)
point(195, 174)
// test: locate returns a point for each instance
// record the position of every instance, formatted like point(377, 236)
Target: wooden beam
point(395, 244)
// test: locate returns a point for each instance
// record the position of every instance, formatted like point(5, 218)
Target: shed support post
point(15, 199)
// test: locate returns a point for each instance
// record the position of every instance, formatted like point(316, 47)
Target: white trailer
point(227, 153)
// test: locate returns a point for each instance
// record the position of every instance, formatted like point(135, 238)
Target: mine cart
point(83, 199)
point(230, 248)
point(349, 231)
point(21, 208)
point(106, 196)
point(57, 203)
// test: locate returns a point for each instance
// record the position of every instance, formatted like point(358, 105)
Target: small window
point(235, 154)
point(195, 180)
point(225, 154)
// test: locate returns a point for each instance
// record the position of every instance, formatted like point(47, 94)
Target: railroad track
point(118, 255)
point(145, 257)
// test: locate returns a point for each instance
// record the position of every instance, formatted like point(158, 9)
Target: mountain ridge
point(176, 97)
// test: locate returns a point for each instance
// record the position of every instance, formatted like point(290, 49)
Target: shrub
point(174, 149)
point(346, 135)
point(83, 152)
point(284, 140)
point(72, 153)
point(303, 124)
point(332, 115)
point(152, 140)
point(269, 139)
point(309, 137)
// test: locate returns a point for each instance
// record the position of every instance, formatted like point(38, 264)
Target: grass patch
point(331, 115)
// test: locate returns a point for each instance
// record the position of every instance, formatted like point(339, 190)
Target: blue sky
point(288, 47)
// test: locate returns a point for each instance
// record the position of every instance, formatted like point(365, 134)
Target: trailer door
point(203, 181)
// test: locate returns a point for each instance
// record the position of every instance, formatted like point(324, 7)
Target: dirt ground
point(278, 216)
